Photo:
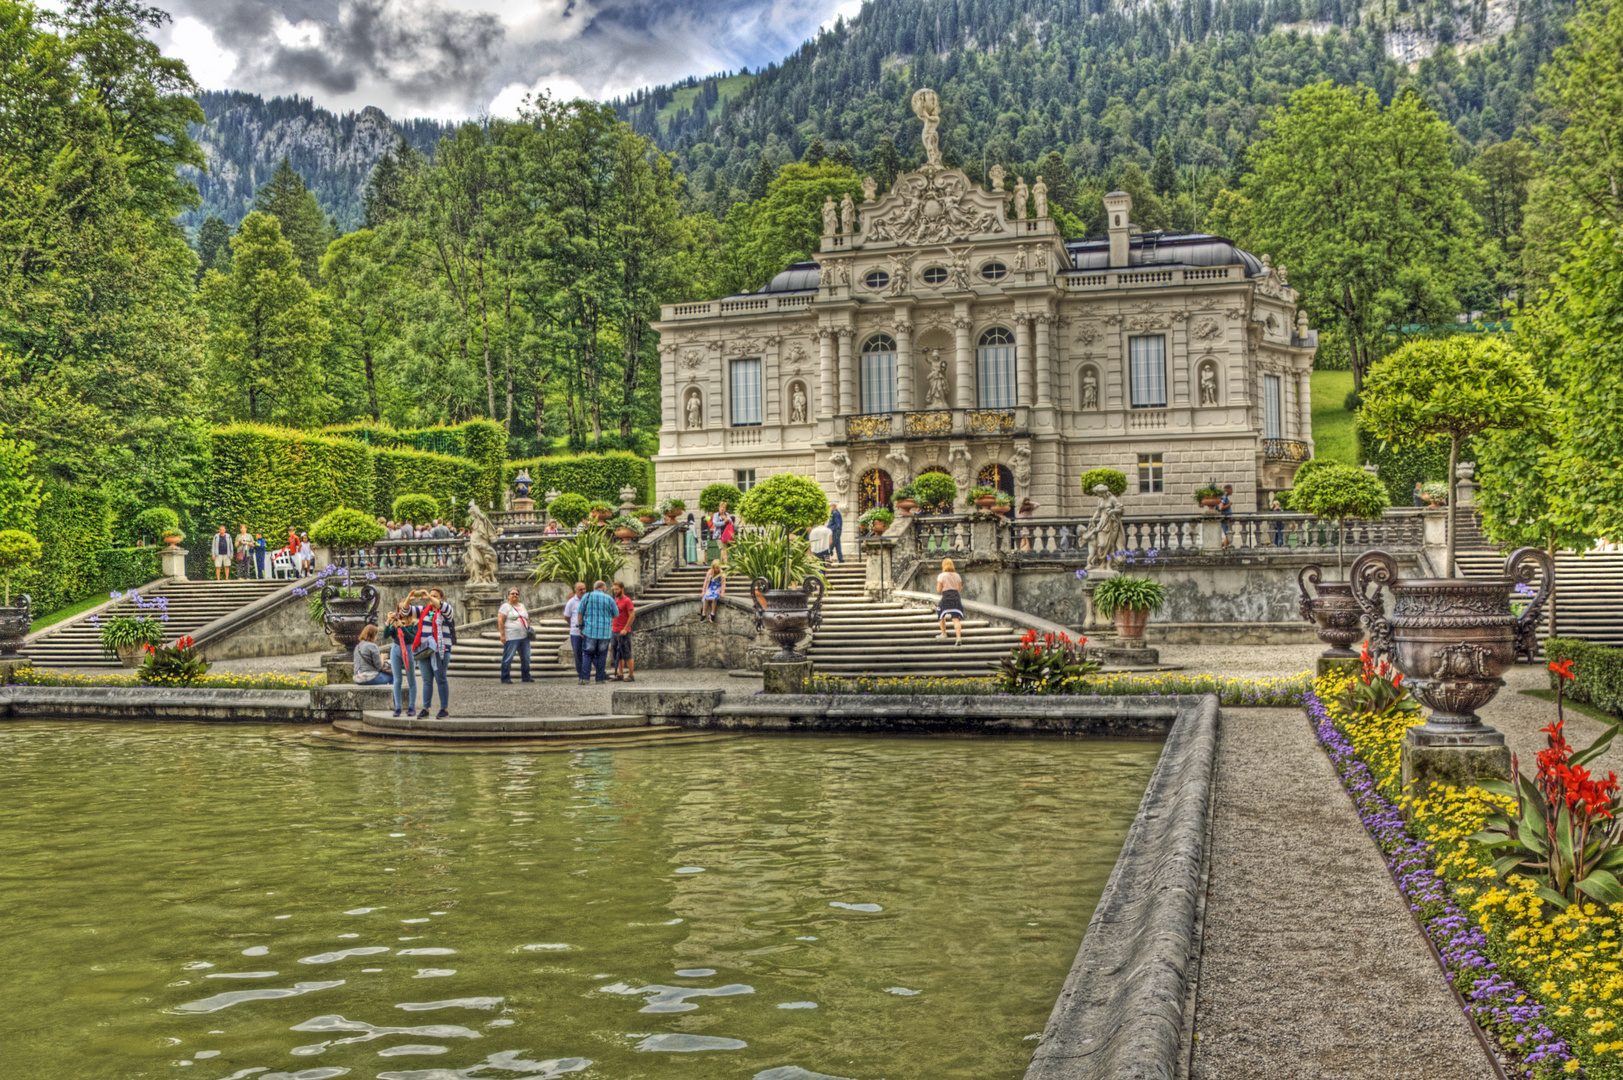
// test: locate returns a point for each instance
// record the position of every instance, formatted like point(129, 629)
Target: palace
point(944, 327)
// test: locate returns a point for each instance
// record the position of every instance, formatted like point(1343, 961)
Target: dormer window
point(935, 275)
point(876, 280)
point(994, 271)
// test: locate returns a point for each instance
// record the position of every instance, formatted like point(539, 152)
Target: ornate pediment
point(935, 206)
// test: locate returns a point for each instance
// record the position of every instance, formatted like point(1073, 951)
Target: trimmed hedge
point(75, 528)
point(273, 478)
point(596, 476)
point(1403, 466)
point(483, 442)
point(452, 481)
point(1599, 672)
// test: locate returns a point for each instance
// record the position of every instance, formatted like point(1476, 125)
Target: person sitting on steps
point(715, 587)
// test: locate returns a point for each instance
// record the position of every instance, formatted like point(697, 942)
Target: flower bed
point(31, 676)
point(1494, 939)
point(1233, 692)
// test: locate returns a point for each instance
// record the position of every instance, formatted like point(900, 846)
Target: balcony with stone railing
point(1294, 451)
point(938, 424)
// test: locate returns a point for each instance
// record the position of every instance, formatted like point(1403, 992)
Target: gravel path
point(1312, 966)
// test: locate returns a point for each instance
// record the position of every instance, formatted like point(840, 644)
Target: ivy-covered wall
point(276, 478)
point(596, 476)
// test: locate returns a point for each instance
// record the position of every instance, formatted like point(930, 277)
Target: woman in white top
point(950, 606)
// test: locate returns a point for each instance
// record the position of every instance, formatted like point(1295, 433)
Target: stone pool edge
point(1122, 1009)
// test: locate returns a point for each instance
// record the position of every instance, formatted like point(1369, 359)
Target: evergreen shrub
point(1599, 672)
point(154, 524)
point(569, 509)
point(17, 551)
point(596, 476)
point(415, 508)
point(711, 498)
point(1114, 479)
point(451, 481)
point(1403, 465)
point(276, 478)
point(75, 528)
point(345, 528)
point(793, 501)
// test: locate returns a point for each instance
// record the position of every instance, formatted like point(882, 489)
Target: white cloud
point(211, 64)
point(849, 10)
point(510, 99)
point(304, 34)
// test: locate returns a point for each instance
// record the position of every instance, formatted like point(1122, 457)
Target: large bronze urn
point(786, 614)
point(1332, 608)
point(344, 616)
point(14, 624)
point(1451, 637)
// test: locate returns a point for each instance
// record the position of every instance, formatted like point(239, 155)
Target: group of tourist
point(419, 634)
point(396, 531)
point(252, 556)
point(600, 624)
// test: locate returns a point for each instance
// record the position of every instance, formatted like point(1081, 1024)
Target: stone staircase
point(192, 605)
point(1588, 592)
point(480, 656)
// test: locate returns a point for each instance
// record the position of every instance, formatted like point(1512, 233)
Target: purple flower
point(116, 595)
point(1153, 553)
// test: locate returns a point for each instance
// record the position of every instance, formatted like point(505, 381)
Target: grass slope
point(1333, 435)
point(730, 87)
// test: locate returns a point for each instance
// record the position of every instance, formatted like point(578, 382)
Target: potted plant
point(338, 606)
point(159, 523)
point(626, 527)
point(786, 579)
point(877, 520)
point(935, 493)
point(1435, 492)
point(906, 499)
point(345, 528)
point(983, 497)
point(645, 514)
point(672, 509)
point(1208, 496)
point(127, 635)
point(1002, 503)
point(569, 509)
point(601, 511)
point(175, 665)
point(17, 550)
point(1129, 601)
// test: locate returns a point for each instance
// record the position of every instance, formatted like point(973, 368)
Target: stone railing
point(1203, 535)
point(1091, 281)
point(1285, 450)
point(937, 423)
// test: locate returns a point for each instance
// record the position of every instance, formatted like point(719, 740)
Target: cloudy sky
point(457, 58)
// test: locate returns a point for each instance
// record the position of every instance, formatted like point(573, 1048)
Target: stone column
point(1022, 359)
point(904, 365)
point(964, 391)
point(848, 371)
point(825, 373)
point(1045, 361)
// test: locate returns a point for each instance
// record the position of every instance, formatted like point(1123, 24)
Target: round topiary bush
point(1113, 479)
point(155, 524)
point(569, 509)
point(417, 509)
point(787, 499)
point(713, 496)
point(935, 492)
point(345, 528)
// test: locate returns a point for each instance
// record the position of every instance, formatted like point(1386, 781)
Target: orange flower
point(1563, 668)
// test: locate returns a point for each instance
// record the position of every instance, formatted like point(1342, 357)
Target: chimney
point(1118, 205)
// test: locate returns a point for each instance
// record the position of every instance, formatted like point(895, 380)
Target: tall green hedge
point(1599, 672)
point(273, 478)
point(75, 526)
point(596, 476)
point(483, 442)
point(450, 480)
point(1402, 466)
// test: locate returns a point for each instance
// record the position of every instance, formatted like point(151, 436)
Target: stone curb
point(1121, 1011)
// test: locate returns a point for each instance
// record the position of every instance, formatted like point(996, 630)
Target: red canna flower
point(185, 642)
point(1563, 668)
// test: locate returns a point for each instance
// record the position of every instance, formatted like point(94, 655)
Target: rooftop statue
point(927, 107)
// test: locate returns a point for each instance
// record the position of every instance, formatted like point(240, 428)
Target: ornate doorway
point(996, 476)
point(873, 489)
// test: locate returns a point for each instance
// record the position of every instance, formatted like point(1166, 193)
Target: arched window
point(995, 369)
point(996, 476)
point(874, 488)
point(879, 374)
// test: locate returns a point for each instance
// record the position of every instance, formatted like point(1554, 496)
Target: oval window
point(876, 279)
point(935, 275)
point(994, 271)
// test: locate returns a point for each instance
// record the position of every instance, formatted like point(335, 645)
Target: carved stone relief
point(931, 208)
point(1208, 329)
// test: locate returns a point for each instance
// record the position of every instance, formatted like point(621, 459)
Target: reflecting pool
point(213, 902)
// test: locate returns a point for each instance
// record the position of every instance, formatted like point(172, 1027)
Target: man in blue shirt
point(836, 524)
point(597, 614)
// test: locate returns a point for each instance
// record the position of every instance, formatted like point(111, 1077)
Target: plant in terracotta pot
point(935, 493)
point(158, 523)
point(128, 633)
point(17, 550)
point(906, 499)
point(983, 496)
point(1002, 503)
point(645, 514)
point(672, 508)
point(1435, 492)
point(569, 509)
point(1208, 496)
point(1130, 601)
point(601, 511)
point(877, 520)
point(626, 527)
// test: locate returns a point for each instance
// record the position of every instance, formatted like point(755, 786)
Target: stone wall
point(669, 634)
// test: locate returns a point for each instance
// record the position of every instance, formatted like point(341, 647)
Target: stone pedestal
point(1124, 653)
point(482, 602)
point(340, 668)
point(1094, 624)
point(785, 678)
point(11, 665)
point(172, 562)
point(523, 506)
point(1423, 764)
point(1326, 664)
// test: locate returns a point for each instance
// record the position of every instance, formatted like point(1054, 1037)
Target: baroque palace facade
point(942, 328)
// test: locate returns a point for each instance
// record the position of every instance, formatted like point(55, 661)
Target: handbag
point(422, 652)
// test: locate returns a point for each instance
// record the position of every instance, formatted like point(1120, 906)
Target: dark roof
point(1164, 249)
point(800, 277)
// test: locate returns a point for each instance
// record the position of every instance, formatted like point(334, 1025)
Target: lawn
point(1591, 711)
point(730, 87)
point(1333, 435)
point(68, 612)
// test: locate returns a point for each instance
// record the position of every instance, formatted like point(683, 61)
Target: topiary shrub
point(711, 498)
point(277, 478)
point(569, 509)
point(1114, 479)
point(155, 524)
point(416, 509)
point(345, 528)
point(1338, 492)
point(17, 550)
point(596, 476)
point(935, 492)
point(789, 500)
point(451, 481)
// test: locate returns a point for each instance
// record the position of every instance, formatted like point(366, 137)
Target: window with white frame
point(1147, 371)
point(1151, 477)
point(1271, 408)
point(994, 360)
point(879, 374)
point(744, 479)
point(746, 397)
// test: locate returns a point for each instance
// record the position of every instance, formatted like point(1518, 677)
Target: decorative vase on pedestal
point(624, 535)
point(344, 616)
point(787, 614)
point(14, 624)
point(1333, 610)
point(906, 506)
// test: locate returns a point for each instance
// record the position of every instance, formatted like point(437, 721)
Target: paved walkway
point(1312, 965)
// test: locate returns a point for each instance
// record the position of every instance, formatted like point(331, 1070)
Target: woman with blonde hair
point(951, 606)
point(715, 587)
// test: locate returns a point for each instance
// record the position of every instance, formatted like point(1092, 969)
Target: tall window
point(1147, 371)
point(995, 369)
point(1271, 408)
point(879, 374)
point(743, 479)
point(746, 392)
point(1151, 478)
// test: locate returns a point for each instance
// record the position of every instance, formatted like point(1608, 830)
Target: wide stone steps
point(192, 605)
point(555, 732)
point(481, 656)
point(1588, 593)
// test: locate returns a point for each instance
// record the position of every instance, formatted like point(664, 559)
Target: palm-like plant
point(770, 552)
point(588, 556)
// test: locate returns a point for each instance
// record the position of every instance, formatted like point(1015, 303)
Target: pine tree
point(1164, 173)
point(285, 198)
point(842, 156)
point(213, 246)
point(814, 154)
point(887, 163)
point(386, 188)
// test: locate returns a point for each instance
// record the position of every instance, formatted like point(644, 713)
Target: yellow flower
point(1591, 1013)
point(1572, 1065)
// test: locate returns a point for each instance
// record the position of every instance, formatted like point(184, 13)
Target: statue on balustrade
point(831, 217)
point(481, 557)
point(1106, 535)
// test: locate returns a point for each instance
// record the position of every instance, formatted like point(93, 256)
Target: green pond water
point(188, 901)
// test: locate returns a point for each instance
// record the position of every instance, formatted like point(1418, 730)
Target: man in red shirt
point(621, 628)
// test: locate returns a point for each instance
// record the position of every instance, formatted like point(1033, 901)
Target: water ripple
point(672, 999)
point(683, 1043)
point(451, 1003)
point(329, 957)
point(236, 997)
point(507, 1061)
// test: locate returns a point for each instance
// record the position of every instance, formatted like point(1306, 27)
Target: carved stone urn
point(1451, 637)
point(344, 616)
point(786, 615)
point(14, 624)
point(1333, 609)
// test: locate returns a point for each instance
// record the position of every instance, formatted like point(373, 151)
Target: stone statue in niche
point(1021, 194)
point(831, 217)
point(927, 107)
point(797, 404)
point(848, 214)
point(1105, 534)
point(1039, 193)
point(1090, 390)
point(694, 411)
point(935, 396)
point(1208, 384)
